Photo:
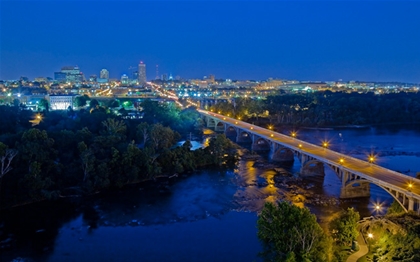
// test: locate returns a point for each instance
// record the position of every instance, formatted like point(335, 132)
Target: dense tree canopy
point(92, 150)
point(289, 231)
point(344, 227)
point(328, 108)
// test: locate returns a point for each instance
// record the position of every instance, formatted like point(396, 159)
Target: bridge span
point(356, 175)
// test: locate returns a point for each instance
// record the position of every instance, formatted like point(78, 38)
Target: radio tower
point(157, 72)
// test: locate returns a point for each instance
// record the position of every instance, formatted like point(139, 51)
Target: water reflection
point(192, 216)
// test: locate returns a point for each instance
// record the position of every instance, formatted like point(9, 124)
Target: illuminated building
point(73, 74)
point(124, 79)
point(142, 73)
point(104, 74)
point(61, 102)
point(60, 76)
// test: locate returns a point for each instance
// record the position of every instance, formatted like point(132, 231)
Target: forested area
point(320, 109)
point(83, 152)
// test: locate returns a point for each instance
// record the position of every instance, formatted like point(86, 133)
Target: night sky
point(368, 41)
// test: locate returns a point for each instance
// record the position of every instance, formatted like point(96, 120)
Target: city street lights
point(325, 144)
point(341, 160)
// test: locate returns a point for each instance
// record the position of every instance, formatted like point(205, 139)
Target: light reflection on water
point(209, 216)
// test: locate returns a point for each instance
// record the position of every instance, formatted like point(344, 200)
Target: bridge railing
point(224, 118)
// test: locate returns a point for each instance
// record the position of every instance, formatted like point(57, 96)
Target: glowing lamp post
point(370, 238)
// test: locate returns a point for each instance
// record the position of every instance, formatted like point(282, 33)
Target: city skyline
point(326, 41)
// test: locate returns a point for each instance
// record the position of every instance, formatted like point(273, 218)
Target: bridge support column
point(410, 203)
point(344, 177)
point(360, 189)
point(273, 149)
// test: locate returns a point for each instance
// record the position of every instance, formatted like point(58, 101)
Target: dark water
point(209, 216)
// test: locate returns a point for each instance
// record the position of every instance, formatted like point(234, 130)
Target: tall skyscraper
point(142, 73)
point(104, 74)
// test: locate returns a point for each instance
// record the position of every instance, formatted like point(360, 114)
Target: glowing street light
point(371, 158)
point(410, 185)
point(341, 160)
point(370, 235)
point(300, 146)
point(325, 144)
point(293, 134)
point(270, 127)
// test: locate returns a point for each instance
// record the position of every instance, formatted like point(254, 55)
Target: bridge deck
point(372, 172)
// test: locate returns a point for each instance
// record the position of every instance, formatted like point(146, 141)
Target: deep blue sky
point(377, 41)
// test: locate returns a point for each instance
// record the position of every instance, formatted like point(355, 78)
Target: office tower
point(73, 73)
point(124, 79)
point(104, 74)
point(157, 72)
point(142, 73)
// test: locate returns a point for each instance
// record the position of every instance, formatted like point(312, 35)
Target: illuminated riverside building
point(142, 73)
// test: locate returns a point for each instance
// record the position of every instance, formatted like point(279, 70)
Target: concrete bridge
point(356, 175)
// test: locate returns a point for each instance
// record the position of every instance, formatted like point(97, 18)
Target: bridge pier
point(359, 189)
point(410, 203)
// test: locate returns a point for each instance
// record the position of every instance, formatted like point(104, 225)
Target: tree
point(80, 101)
point(344, 227)
point(44, 105)
point(162, 137)
point(143, 130)
point(6, 157)
point(285, 228)
point(93, 103)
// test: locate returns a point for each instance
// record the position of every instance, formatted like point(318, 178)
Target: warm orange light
point(325, 144)
point(271, 135)
point(293, 134)
point(300, 145)
point(370, 235)
point(252, 127)
point(236, 122)
point(224, 118)
point(341, 160)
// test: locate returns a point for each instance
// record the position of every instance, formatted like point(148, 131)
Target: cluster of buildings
point(70, 81)
point(72, 74)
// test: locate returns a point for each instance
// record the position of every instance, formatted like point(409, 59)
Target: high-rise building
point(104, 74)
point(142, 73)
point(124, 79)
point(73, 74)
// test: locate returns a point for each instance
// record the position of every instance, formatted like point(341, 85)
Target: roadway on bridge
point(385, 177)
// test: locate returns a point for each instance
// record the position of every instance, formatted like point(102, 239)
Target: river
point(207, 216)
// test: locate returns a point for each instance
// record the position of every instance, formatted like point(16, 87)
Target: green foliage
point(221, 150)
point(285, 229)
point(395, 208)
point(81, 101)
point(43, 104)
point(329, 108)
point(398, 247)
point(94, 150)
point(344, 227)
